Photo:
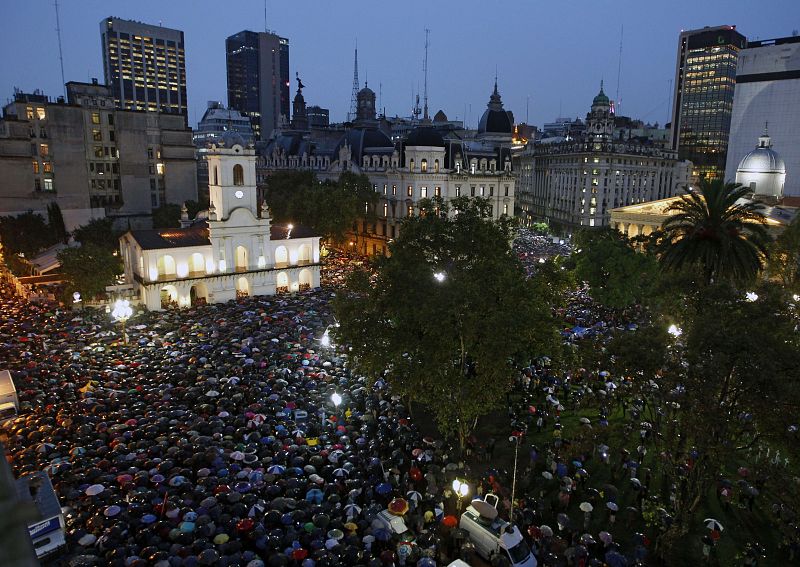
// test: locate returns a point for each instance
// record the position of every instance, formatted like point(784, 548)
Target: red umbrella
point(450, 521)
point(398, 506)
point(299, 554)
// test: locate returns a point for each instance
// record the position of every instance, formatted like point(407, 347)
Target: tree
point(167, 215)
point(784, 256)
point(56, 221)
point(448, 315)
point(88, 269)
point(98, 232)
point(619, 275)
point(714, 232)
point(27, 233)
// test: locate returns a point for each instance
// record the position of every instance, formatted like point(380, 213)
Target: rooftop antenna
point(527, 104)
point(380, 96)
point(353, 98)
point(265, 17)
point(619, 66)
point(60, 50)
point(425, 72)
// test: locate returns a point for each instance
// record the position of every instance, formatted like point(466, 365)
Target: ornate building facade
point(228, 251)
point(574, 182)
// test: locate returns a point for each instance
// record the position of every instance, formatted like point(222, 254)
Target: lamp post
point(515, 438)
point(675, 331)
point(461, 489)
point(336, 398)
point(121, 313)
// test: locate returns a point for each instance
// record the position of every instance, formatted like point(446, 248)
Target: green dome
point(601, 98)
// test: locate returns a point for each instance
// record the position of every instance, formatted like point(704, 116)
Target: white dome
point(763, 170)
point(762, 160)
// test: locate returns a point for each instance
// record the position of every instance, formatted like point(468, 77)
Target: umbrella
point(586, 507)
point(615, 559)
point(713, 524)
point(605, 537)
point(94, 489)
point(383, 488)
point(547, 475)
point(612, 506)
point(546, 530)
point(587, 539)
point(450, 521)
point(413, 496)
point(315, 496)
point(398, 506)
point(382, 534)
point(585, 420)
point(352, 510)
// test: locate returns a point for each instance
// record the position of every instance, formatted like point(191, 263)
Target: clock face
point(239, 194)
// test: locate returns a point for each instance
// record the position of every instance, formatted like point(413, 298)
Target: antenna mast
point(619, 66)
point(354, 97)
point(60, 50)
point(425, 72)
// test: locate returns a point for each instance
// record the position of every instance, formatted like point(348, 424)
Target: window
point(437, 192)
point(37, 184)
point(472, 168)
point(482, 191)
point(506, 191)
point(95, 118)
point(491, 190)
point(48, 167)
point(424, 165)
point(472, 191)
point(394, 190)
point(44, 150)
point(410, 191)
point(111, 135)
point(410, 211)
point(385, 188)
point(149, 153)
point(110, 119)
point(40, 113)
point(375, 187)
point(411, 165)
point(35, 166)
point(436, 166)
point(152, 169)
point(458, 190)
point(29, 112)
point(97, 135)
point(386, 209)
point(115, 168)
point(48, 185)
point(160, 169)
point(42, 132)
point(216, 176)
point(505, 209)
point(423, 192)
point(238, 174)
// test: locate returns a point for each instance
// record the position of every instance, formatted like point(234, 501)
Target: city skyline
point(529, 47)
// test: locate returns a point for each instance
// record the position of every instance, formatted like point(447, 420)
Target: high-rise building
point(144, 65)
point(767, 95)
point(318, 117)
point(258, 79)
point(705, 77)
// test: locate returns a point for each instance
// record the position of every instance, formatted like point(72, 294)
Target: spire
point(353, 98)
point(764, 141)
point(495, 103)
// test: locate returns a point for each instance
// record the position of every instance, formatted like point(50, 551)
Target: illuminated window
point(505, 209)
point(97, 135)
point(386, 209)
point(48, 185)
point(458, 190)
point(424, 165)
point(40, 113)
point(29, 112)
point(411, 165)
point(423, 192)
point(95, 118)
point(48, 167)
point(44, 150)
point(410, 191)
point(394, 190)
point(160, 170)
point(385, 188)
point(437, 192)
point(436, 166)
point(35, 166)
point(410, 211)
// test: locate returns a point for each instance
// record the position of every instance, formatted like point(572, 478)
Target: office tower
point(144, 65)
point(258, 79)
point(705, 78)
point(766, 98)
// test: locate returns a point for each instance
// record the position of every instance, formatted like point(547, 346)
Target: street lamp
point(461, 488)
point(440, 276)
point(121, 313)
point(751, 296)
point(336, 399)
point(675, 331)
point(326, 339)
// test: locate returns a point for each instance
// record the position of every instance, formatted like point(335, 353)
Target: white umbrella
point(612, 506)
point(546, 530)
point(713, 524)
point(586, 507)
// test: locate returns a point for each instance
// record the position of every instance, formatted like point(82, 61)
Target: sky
point(549, 56)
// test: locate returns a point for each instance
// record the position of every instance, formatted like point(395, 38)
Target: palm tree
point(718, 231)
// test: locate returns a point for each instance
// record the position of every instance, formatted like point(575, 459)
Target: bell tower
point(232, 177)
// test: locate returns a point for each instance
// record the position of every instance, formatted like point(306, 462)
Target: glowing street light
point(336, 399)
point(751, 296)
point(461, 489)
point(326, 339)
point(121, 312)
point(439, 276)
point(675, 331)
point(796, 297)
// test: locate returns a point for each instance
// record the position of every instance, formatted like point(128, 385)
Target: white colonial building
point(229, 251)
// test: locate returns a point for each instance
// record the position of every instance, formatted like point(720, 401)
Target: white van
point(47, 532)
point(491, 535)
point(394, 524)
point(9, 402)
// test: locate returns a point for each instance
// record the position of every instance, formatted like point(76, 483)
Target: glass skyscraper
point(258, 78)
point(705, 79)
point(144, 65)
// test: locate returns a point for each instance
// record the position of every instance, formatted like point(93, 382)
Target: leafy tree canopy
point(27, 233)
point(449, 313)
point(89, 268)
point(98, 232)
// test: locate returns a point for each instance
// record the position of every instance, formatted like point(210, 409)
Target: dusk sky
point(553, 54)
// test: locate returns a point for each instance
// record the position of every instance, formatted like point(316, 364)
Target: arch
point(169, 296)
point(238, 174)
point(198, 294)
point(281, 256)
point(411, 165)
point(436, 166)
point(423, 165)
point(166, 266)
point(242, 287)
point(282, 283)
point(306, 279)
point(304, 254)
point(197, 264)
point(241, 262)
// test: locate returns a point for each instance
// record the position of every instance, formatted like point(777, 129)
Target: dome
point(601, 99)
point(763, 159)
point(366, 91)
point(762, 169)
point(230, 138)
point(425, 136)
point(365, 141)
point(495, 120)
